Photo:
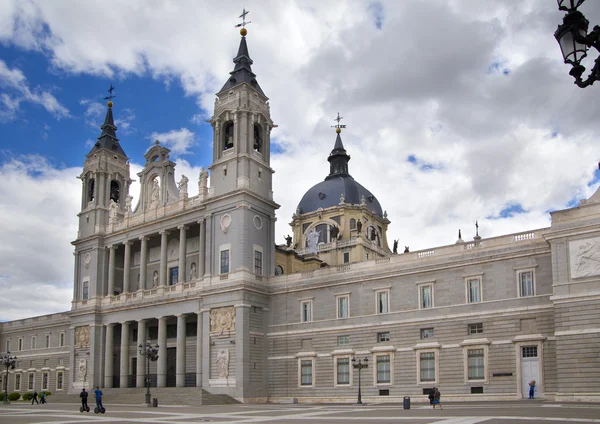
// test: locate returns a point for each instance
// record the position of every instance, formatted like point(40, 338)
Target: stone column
point(208, 247)
point(206, 348)
point(111, 270)
point(199, 351)
point(108, 356)
point(140, 372)
point(143, 262)
point(124, 374)
point(127, 267)
point(182, 253)
point(242, 349)
point(162, 276)
point(161, 370)
point(76, 279)
point(180, 364)
point(201, 248)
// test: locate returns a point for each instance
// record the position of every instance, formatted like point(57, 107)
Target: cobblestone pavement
point(463, 413)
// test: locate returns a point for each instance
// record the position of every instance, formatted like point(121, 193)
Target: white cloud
point(14, 81)
point(179, 141)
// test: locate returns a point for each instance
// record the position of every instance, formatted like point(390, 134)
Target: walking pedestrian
point(34, 398)
point(531, 389)
point(43, 398)
point(436, 397)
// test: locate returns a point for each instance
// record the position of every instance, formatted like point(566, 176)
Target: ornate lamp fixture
point(151, 354)
point(574, 40)
point(359, 365)
point(9, 362)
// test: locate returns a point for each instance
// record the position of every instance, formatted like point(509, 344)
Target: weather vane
point(338, 127)
point(110, 96)
point(243, 18)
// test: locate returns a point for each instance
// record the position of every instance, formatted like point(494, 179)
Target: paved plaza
point(464, 413)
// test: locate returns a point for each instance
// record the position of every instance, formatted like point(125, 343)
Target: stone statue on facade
point(288, 240)
point(128, 201)
point(342, 199)
point(155, 279)
point(155, 194)
point(406, 250)
point(222, 320)
point(113, 213)
point(223, 363)
point(358, 226)
point(183, 186)
point(203, 181)
point(82, 369)
point(193, 274)
point(313, 240)
point(363, 201)
point(334, 231)
point(395, 247)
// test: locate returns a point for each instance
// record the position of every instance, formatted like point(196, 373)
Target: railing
point(343, 268)
point(224, 276)
point(425, 253)
point(524, 236)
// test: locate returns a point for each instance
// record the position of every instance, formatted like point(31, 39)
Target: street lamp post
point(151, 354)
point(574, 40)
point(359, 365)
point(9, 362)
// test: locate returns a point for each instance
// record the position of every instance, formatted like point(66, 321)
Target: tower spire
point(242, 71)
point(338, 158)
point(108, 138)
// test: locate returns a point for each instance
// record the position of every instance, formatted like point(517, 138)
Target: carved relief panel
point(82, 336)
point(584, 257)
point(222, 320)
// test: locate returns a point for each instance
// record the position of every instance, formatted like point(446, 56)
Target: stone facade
point(198, 276)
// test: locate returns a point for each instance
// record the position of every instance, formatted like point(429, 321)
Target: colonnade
point(124, 372)
point(163, 271)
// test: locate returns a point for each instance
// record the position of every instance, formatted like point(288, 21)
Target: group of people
point(434, 397)
point(84, 397)
point(35, 398)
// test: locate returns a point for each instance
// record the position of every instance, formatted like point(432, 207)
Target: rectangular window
point(476, 365)
point(525, 283)
point(426, 333)
point(383, 337)
point(427, 372)
point(343, 371)
point(8, 346)
point(306, 372)
point(47, 341)
point(306, 310)
point(45, 381)
point(59, 380)
point(383, 369)
point(529, 351)
point(473, 290)
point(17, 382)
point(342, 306)
point(31, 380)
point(20, 344)
point(61, 339)
point(383, 301)
point(476, 328)
point(343, 340)
point(257, 262)
point(426, 296)
point(225, 261)
point(33, 342)
point(85, 291)
point(173, 275)
point(347, 257)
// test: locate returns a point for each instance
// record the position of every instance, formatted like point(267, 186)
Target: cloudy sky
point(456, 110)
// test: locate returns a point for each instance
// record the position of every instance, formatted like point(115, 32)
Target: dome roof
point(339, 182)
point(327, 194)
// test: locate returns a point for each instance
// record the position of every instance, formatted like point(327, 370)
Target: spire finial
point(476, 229)
point(338, 127)
point(110, 96)
point(243, 31)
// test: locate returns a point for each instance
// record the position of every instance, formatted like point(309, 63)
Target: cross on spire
point(338, 126)
point(243, 18)
point(110, 96)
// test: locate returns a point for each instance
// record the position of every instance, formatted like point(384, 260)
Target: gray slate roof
point(108, 139)
point(242, 72)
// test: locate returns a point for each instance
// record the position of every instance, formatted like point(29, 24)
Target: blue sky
point(456, 111)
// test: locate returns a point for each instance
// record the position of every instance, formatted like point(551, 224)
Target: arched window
point(115, 191)
point(258, 142)
point(353, 224)
point(91, 189)
point(228, 136)
point(323, 230)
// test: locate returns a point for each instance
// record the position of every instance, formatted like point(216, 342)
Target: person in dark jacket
point(84, 397)
point(34, 398)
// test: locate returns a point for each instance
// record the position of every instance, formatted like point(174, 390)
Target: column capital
point(144, 238)
point(182, 227)
point(142, 320)
point(163, 232)
point(200, 221)
point(111, 324)
point(163, 317)
point(128, 242)
point(111, 247)
point(125, 322)
point(182, 315)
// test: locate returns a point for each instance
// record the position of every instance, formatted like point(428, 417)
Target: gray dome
point(327, 194)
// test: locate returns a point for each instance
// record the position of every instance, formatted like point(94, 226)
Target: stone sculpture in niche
point(154, 195)
point(82, 369)
point(155, 278)
point(113, 212)
point(82, 336)
point(223, 363)
point(193, 274)
point(585, 258)
point(222, 320)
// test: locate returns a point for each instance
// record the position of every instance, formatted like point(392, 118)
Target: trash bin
point(155, 402)
point(406, 402)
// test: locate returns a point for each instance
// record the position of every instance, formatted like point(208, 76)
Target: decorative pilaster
point(111, 270)
point(201, 247)
point(127, 267)
point(140, 371)
point(143, 262)
point(161, 371)
point(180, 364)
point(124, 374)
point(108, 356)
point(208, 255)
point(162, 281)
point(182, 253)
point(199, 350)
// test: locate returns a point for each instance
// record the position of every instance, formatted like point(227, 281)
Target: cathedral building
point(235, 313)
